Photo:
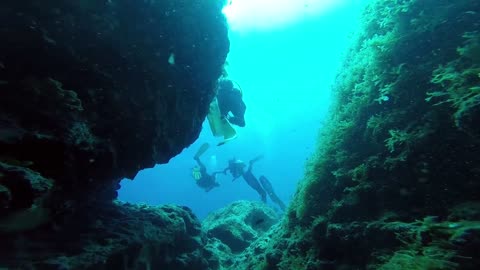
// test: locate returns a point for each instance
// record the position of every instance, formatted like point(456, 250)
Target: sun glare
point(261, 14)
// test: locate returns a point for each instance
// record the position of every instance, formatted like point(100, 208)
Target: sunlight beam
point(263, 14)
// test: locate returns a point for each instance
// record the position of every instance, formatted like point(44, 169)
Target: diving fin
point(267, 186)
point(201, 150)
point(214, 119)
point(220, 126)
point(229, 132)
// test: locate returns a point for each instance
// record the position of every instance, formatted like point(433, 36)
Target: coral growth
point(387, 162)
point(460, 80)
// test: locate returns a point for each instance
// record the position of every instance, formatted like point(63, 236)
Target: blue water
point(285, 71)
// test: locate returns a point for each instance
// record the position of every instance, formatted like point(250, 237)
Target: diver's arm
point(235, 120)
point(250, 164)
point(200, 163)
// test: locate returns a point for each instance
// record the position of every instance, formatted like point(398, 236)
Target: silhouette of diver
point(230, 103)
point(199, 172)
point(236, 168)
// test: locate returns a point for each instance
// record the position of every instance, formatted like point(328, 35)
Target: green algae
point(459, 80)
point(393, 182)
point(427, 259)
point(384, 149)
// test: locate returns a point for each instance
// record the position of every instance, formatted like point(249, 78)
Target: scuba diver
point(226, 109)
point(236, 168)
point(199, 172)
point(230, 103)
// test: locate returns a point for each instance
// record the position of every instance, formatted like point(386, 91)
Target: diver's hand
point(197, 175)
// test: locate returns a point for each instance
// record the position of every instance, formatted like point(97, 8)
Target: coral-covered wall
point(394, 182)
point(92, 92)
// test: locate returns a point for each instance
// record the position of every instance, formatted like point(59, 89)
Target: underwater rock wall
point(235, 228)
point(115, 236)
point(92, 92)
point(394, 183)
point(240, 223)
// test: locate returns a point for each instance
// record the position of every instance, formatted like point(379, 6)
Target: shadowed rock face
point(239, 224)
point(115, 236)
point(94, 91)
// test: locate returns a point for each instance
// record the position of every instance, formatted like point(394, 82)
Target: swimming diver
point(199, 172)
point(226, 109)
point(236, 168)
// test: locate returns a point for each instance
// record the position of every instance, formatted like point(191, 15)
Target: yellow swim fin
point(220, 126)
point(215, 119)
point(229, 133)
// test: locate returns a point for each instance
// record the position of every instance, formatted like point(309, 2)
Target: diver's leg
point(277, 200)
point(253, 183)
point(271, 193)
point(264, 196)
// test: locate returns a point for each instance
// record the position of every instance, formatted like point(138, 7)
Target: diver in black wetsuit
point(202, 178)
point(236, 168)
point(199, 172)
point(230, 103)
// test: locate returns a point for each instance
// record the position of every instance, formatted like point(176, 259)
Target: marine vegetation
point(400, 152)
point(459, 80)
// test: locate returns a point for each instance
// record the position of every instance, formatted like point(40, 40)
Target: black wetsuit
point(206, 181)
point(253, 182)
point(236, 169)
point(271, 193)
point(230, 100)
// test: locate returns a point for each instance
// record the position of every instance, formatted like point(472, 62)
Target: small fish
point(171, 59)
